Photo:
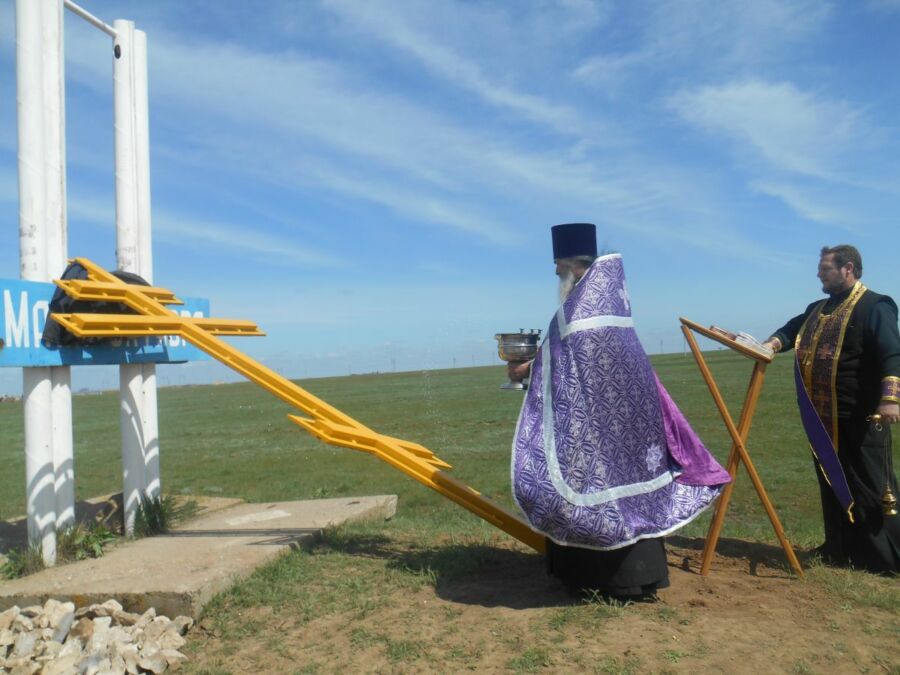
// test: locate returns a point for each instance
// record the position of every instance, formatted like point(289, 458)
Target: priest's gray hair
point(567, 268)
point(583, 261)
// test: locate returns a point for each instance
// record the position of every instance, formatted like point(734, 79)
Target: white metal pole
point(130, 375)
point(142, 155)
point(63, 446)
point(152, 484)
point(56, 222)
point(36, 385)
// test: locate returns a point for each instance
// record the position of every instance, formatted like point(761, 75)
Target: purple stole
point(602, 457)
point(818, 349)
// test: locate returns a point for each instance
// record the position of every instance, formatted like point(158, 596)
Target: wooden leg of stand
point(770, 511)
point(734, 458)
point(712, 537)
point(715, 527)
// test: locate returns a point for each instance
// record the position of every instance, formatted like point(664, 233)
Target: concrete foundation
point(179, 572)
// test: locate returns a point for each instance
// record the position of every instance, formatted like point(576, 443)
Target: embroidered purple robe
point(602, 457)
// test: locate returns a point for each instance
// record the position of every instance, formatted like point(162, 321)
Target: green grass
point(156, 515)
point(78, 542)
point(235, 440)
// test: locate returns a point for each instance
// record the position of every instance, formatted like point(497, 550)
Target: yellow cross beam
point(323, 421)
point(127, 325)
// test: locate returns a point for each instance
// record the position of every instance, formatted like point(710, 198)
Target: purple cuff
point(890, 389)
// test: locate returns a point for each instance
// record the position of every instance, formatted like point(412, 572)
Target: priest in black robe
point(847, 371)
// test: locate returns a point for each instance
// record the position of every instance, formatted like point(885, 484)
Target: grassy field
point(235, 440)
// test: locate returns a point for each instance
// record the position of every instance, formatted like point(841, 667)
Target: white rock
point(24, 644)
point(91, 664)
point(52, 649)
point(63, 626)
point(25, 668)
point(116, 665)
point(174, 658)
point(157, 627)
point(102, 623)
point(100, 639)
point(57, 611)
point(155, 664)
point(103, 667)
point(7, 637)
point(64, 665)
point(150, 649)
point(73, 647)
point(108, 608)
point(171, 639)
point(119, 636)
point(22, 624)
point(137, 636)
point(129, 654)
point(146, 618)
point(7, 616)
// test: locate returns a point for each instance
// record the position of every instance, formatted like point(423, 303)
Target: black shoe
point(828, 557)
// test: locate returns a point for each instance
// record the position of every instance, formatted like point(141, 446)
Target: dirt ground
point(748, 615)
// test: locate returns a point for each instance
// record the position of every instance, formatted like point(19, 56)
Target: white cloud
point(249, 241)
point(389, 150)
point(611, 70)
point(186, 230)
point(790, 129)
point(712, 36)
point(294, 120)
point(809, 204)
point(428, 43)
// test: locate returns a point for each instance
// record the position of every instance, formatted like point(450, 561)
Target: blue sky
point(374, 182)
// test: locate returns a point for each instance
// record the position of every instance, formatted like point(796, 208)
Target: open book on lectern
point(745, 340)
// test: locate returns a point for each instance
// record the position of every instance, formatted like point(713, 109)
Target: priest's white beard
point(566, 284)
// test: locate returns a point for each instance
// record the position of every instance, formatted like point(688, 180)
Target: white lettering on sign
point(41, 307)
point(16, 327)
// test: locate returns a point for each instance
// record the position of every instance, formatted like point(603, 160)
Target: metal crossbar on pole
point(323, 420)
point(90, 18)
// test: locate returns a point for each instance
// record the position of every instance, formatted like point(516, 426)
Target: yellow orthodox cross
point(322, 421)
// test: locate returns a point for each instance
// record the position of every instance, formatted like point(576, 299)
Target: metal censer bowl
point(521, 346)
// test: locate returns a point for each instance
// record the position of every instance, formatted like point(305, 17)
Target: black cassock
point(866, 359)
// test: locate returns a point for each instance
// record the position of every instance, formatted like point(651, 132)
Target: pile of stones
point(57, 638)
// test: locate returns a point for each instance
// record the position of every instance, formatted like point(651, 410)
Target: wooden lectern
point(738, 435)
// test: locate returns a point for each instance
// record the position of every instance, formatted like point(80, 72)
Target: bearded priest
point(603, 462)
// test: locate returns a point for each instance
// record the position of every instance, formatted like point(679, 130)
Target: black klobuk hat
point(574, 239)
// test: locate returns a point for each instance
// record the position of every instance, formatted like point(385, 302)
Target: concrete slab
point(179, 572)
point(106, 508)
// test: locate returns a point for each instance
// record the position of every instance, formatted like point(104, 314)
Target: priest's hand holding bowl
point(518, 370)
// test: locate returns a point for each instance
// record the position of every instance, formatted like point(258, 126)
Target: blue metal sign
point(24, 306)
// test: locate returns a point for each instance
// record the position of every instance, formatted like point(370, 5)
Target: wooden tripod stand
point(738, 435)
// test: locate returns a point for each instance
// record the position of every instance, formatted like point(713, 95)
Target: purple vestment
point(602, 457)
